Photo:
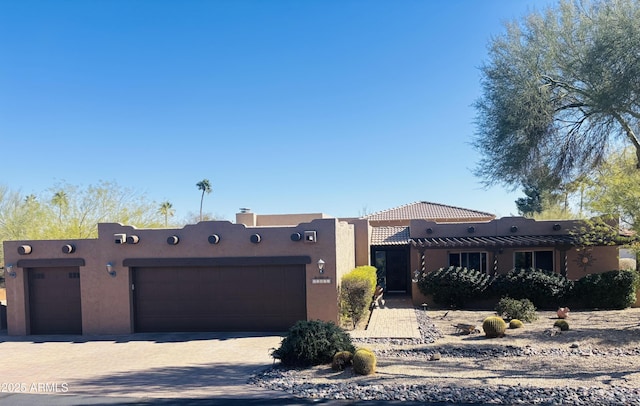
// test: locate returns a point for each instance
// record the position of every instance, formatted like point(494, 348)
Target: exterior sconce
point(173, 240)
point(68, 249)
point(9, 271)
point(255, 238)
point(296, 237)
point(110, 270)
point(321, 266)
point(24, 249)
point(214, 239)
point(471, 229)
point(429, 230)
point(557, 227)
point(513, 229)
point(133, 239)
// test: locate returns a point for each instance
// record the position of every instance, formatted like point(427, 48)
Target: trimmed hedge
point(356, 290)
point(545, 289)
point(454, 286)
point(608, 290)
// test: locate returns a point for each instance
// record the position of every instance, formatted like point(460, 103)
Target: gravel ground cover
point(596, 362)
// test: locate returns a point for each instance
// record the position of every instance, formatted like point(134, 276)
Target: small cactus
point(341, 360)
point(515, 323)
point(494, 326)
point(561, 324)
point(364, 362)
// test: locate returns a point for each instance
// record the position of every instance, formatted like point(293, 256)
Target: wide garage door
point(54, 300)
point(220, 298)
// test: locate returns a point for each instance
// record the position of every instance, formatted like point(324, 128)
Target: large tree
point(560, 88)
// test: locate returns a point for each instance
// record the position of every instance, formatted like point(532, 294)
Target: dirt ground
point(601, 349)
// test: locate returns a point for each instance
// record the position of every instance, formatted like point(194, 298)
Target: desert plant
point(341, 360)
point(356, 291)
point(494, 326)
point(453, 286)
point(312, 342)
point(608, 290)
point(544, 288)
point(515, 323)
point(364, 362)
point(522, 309)
point(561, 324)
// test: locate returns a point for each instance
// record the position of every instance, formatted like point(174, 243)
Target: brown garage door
point(54, 300)
point(253, 298)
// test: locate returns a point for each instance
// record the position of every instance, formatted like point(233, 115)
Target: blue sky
point(297, 106)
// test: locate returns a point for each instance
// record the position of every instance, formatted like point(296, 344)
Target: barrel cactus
point(341, 360)
point(364, 362)
point(494, 326)
point(515, 323)
point(561, 324)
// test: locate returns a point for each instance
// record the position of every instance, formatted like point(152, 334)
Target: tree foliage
point(615, 190)
point(560, 88)
point(69, 211)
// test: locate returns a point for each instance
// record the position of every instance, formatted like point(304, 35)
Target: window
point(534, 259)
point(469, 260)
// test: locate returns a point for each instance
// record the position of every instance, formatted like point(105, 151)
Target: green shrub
point(356, 290)
point(341, 360)
point(563, 325)
point(312, 342)
point(454, 286)
point(609, 290)
point(364, 362)
point(545, 289)
point(522, 309)
point(494, 326)
point(515, 323)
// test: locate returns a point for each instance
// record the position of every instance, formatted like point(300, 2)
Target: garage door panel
point(55, 300)
point(267, 298)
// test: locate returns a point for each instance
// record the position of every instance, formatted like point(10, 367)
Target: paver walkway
point(395, 319)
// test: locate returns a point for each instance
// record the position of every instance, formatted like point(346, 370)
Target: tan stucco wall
point(107, 301)
point(250, 219)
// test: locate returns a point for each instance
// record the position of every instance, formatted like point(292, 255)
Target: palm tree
point(61, 201)
point(205, 186)
point(166, 209)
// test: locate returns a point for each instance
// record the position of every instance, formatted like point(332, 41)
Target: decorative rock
point(435, 356)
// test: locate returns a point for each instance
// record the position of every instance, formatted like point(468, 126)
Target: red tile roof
point(394, 235)
point(428, 211)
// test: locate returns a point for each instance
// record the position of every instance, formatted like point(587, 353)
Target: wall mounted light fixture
point(110, 270)
point(9, 270)
point(321, 266)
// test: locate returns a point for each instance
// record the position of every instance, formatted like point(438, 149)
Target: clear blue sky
point(285, 106)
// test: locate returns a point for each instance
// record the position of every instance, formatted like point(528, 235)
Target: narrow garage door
point(54, 300)
point(253, 298)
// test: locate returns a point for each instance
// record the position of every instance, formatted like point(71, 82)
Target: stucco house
point(263, 272)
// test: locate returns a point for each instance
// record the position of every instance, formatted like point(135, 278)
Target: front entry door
point(392, 266)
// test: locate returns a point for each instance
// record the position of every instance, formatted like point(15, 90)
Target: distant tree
point(559, 89)
point(101, 203)
point(615, 190)
point(531, 203)
point(205, 186)
point(60, 201)
point(166, 210)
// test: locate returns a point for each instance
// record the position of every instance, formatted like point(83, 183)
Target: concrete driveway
point(136, 366)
